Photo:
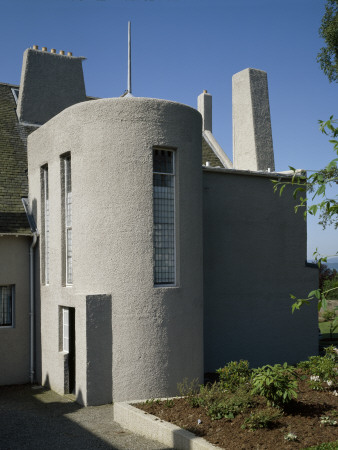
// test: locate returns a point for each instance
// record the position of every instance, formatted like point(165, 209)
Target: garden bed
point(302, 417)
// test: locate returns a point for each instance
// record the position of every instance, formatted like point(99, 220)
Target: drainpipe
point(35, 233)
point(31, 305)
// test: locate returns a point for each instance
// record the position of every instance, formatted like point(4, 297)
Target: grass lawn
point(325, 330)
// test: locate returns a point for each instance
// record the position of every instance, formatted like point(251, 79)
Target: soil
point(301, 417)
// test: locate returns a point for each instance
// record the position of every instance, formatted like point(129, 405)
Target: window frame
point(66, 207)
point(45, 221)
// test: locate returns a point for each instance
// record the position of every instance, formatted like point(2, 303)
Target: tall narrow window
point(6, 306)
point(67, 203)
point(65, 330)
point(164, 217)
point(45, 223)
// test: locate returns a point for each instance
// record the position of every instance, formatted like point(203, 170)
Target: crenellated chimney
point(49, 84)
point(251, 123)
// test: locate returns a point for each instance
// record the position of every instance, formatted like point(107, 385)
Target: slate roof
point(209, 155)
point(13, 165)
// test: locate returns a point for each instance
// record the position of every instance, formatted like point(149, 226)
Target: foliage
point(169, 403)
point(234, 374)
point(276, 383)
point(330, 316)
point(324, 446)
point(264, 418)
point(221, 404)
point(316, 184)
point(322, 369)
point(331, 287)
point(190, 389)
point(151, 401)
point(325, 274)
point(328, 56)
point(326, 420)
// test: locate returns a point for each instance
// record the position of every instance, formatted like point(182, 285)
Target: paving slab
point(37, 418)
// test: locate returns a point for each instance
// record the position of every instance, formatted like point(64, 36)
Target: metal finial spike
point(129, 58)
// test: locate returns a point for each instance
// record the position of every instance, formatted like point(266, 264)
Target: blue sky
point(181, 47)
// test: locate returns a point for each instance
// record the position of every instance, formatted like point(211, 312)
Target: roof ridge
point(9, 84)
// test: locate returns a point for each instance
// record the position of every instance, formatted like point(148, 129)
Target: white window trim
point(174, 284)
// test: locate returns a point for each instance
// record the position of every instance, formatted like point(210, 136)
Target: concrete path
point(40, 419)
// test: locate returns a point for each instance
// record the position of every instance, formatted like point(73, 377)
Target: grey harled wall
point(14, 270)
point(49, 84)
point(254, 257)
point(157, 333)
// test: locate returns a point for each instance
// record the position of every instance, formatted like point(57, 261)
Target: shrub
point(275, 383)
point(264, 418)
point(331, 283)
point(323, 369)
point(190, 389)
point(328, 316)
point(234, 374)
point(227, 404)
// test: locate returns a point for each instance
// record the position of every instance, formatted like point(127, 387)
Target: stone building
point(142, 255)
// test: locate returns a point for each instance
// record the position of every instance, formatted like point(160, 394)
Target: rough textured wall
point(254, 257)
point(157, 333)
point(49, 84)
point(251, 123)
point(14, 349)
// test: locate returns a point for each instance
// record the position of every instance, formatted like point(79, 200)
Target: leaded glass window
point(45, 209)
point(6, 306)
point(164, 217)
point(68, 219)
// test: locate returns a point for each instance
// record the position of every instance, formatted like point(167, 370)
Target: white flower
point(335, 393)
point(290, 437)
point(314, 378)
point(329, 382)
point(199, 421)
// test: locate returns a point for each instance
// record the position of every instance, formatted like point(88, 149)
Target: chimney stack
point(204, 106)
point(251, 123)
point(49, 84)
